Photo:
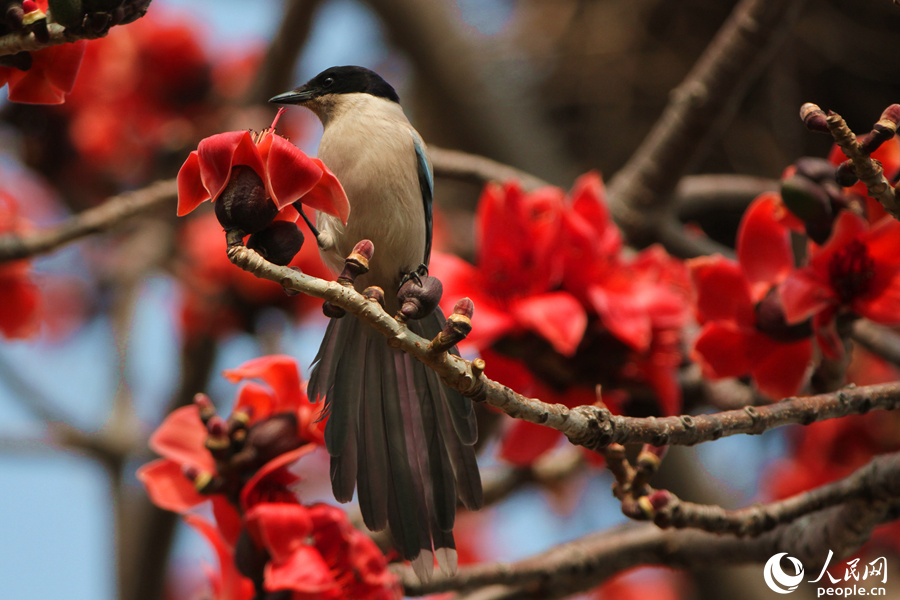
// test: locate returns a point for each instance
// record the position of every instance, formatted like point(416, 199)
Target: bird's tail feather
point(398, 433)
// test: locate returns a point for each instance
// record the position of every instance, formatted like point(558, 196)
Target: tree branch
point(590, 426)
point(93, 220)
point(640, 192)
point(585, 563)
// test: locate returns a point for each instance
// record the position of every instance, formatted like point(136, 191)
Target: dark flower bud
point(217, 440)
point(873, 140)
point(419, 296)
point(243, 204)
point(811, 204)
point(770, 320)
point(20, 60)
point(205, 406)
point(278, 243)
point(846, 174)
point(374, 294)
point(357, 263)
point(249, 558)
point(268, 439)
point(68, 13)
point(814, 118)
point(332, 311)
point(13, 17)
point(134, 10)
point(457, 327)
point(817, 169)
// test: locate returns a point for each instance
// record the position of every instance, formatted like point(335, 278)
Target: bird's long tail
point(400, 436)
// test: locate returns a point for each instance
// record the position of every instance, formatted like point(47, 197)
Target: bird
point(394, 432)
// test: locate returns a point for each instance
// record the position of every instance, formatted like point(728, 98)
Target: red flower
point(519, 265)
point(858, 270)
point(272, 425)
point(735, 339)
point(19, 296)
point(49, 79)
point(524, 442)
point(315, 552)
point(286, 172)
point(227, 583)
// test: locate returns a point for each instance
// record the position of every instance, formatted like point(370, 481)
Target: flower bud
point(810, 203)
point(846, 174)
point(419, 298)
point(243, 204)
point(357, 263)
point(814, 118)
point(770, 320)
point(278, 243)
point(68, 13)
point(374, 293)
point(332, 311)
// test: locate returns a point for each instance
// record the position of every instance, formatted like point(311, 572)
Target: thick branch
point(589, 426)
point(876, 338)
point(640, 192)
point(94, 220)
point(584, 563)
point(472, 168)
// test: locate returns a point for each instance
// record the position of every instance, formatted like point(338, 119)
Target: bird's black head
point(339, 80)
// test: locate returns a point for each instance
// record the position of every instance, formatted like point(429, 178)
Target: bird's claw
point(421, 271)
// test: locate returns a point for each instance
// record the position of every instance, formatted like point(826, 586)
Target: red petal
point(723, 293)
point(803, 295)
point(626, 319)
point(191, 192)
point(282, 527)
point(764, 244)
point(280, 372)
point(779, 369)
point(51, 76)
point(181, 438)
point(233, 585)
point(290, 173)
point(167, 486)
point(255, 399)
point(277, 469)
point(219, 153)
point(228, 519)
point(304, 571)
point(20, 299)
point(557, 317)
point(462, 280)
point(721, 350)
point(525, 442)
point(328, 195)
point(847, 227)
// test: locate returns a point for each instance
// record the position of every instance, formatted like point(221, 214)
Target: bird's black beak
point(299, 96)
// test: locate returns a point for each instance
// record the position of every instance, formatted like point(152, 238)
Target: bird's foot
point(416, 275)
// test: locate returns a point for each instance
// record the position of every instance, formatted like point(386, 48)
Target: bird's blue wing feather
point(426, 184)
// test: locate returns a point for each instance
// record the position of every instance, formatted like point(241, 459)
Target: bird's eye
point(327, 82)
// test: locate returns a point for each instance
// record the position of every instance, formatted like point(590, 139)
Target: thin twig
point(876, 338)
point(463, 166)
point(93, 220)
point(877, 480)
point(868, 170)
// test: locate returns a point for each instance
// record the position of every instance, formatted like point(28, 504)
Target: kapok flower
point(19, 296)
point(316, 553)
point(743, 324)
point(43, 76)
point(207, 457)
point(857, 270)
point(518, 268)
point(252, 177)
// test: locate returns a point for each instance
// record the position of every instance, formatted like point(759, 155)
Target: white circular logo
point(777, 579)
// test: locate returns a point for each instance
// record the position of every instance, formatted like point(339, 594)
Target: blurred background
point(138, 320)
